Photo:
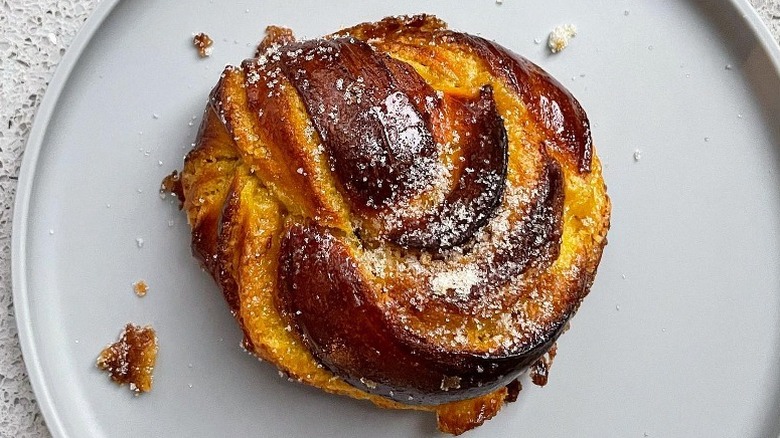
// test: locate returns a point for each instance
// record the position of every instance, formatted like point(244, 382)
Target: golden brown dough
point(397, 212)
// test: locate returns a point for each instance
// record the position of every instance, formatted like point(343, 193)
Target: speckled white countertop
point(34, 35)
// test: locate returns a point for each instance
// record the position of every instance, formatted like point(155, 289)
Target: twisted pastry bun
point(397, 212)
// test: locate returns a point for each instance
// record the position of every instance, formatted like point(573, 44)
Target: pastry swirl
point(397, 212)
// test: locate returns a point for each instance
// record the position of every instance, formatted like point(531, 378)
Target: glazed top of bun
point(438, 212)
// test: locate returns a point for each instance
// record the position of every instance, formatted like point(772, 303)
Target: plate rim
point(24, 188)
point(34, 145)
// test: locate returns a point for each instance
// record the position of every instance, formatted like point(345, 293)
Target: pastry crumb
point(560, 37)
point(172, 184)
point(513, 391)
point(131, 359)
point(203, 43)
point(540, 371)
point(140, 288)
point(275, 37)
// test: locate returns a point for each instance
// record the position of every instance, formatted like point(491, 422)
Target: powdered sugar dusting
point(460, 282)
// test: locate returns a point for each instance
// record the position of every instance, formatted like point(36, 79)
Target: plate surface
point(679, 337)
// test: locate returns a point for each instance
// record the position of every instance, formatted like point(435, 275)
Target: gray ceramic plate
point(679, 337)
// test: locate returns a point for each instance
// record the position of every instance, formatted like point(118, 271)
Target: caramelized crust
point(398, 212)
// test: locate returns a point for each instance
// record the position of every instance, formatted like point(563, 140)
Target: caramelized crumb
point(541, 369)
point(140, 287)
point(513, 390)
point(131, 359)
point(203, 43)
point(274, 36)
point(172, 184)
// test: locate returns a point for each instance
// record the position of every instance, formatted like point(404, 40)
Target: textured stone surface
point(769, 10)
point(34, 35)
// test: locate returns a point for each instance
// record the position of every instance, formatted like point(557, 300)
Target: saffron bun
point(397, 212)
